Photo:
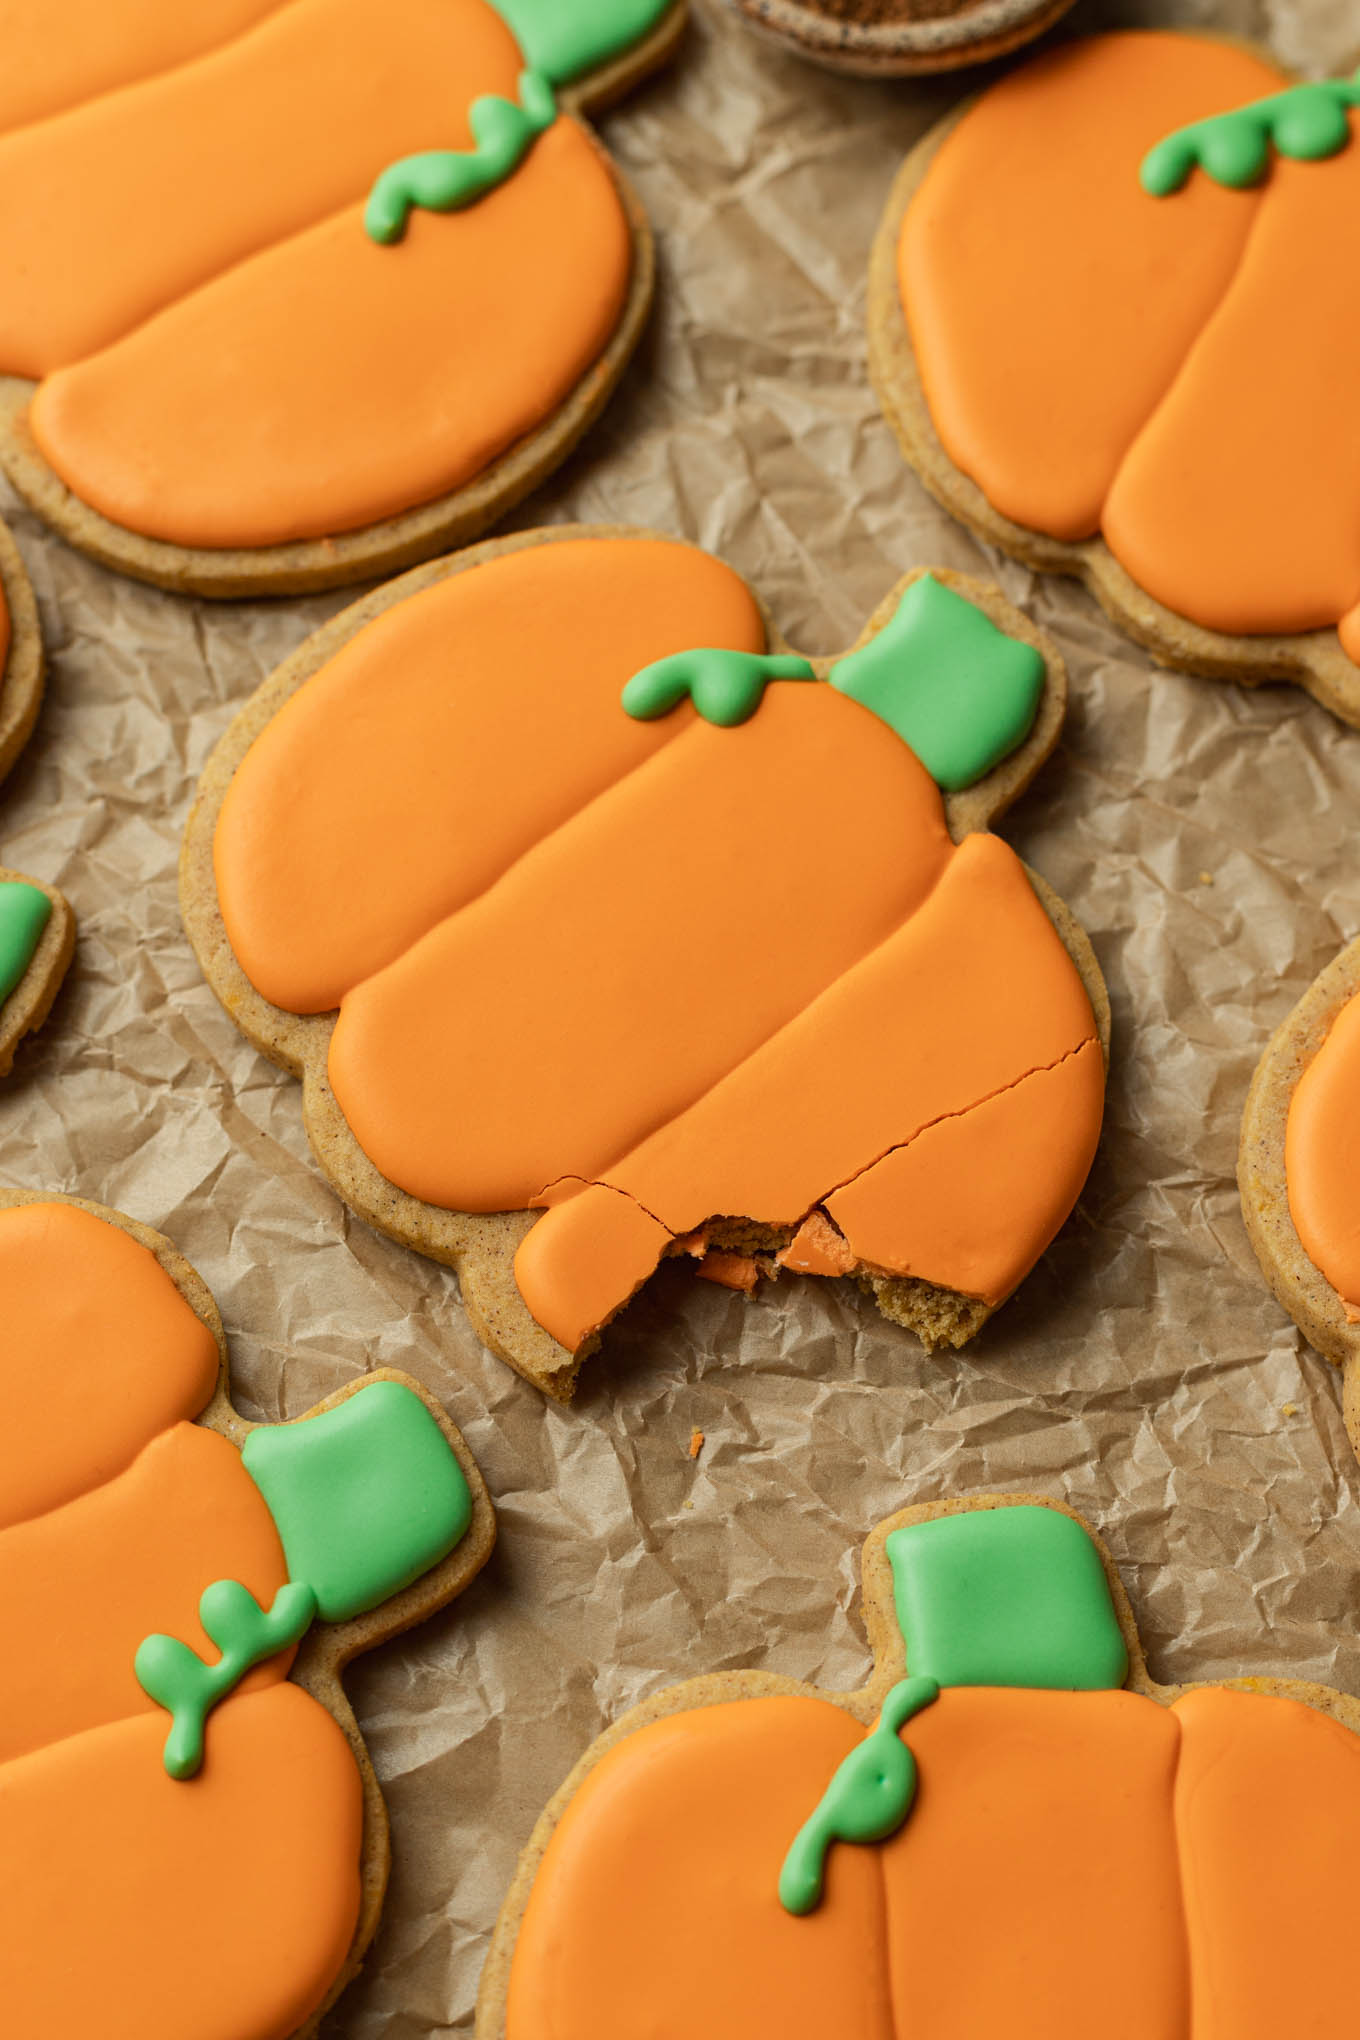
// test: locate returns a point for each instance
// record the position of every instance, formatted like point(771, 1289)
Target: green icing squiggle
point(25, 911)
point(566, 38)
point(445, 180)
point(726, 687)
point(1306, 123)
point(868, 1799)
point(176, 1678)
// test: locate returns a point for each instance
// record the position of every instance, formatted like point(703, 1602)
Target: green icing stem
point(25, 911)
point(366, 1497)
point(1012, 1596)
point(566, 38)
point(960, 692)
point(868, 1798)
point(1307, 123)
point(725, 687)
point(445, 180)
point(176, 1678)
point(956, 689)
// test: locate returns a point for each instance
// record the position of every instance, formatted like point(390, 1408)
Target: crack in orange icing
point(1074, 1862)
point(1320, 1158)
point(230, 361)
point(1177, 374)
point(666, 970)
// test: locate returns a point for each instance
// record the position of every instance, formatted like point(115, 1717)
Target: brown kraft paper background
point(1207, 838)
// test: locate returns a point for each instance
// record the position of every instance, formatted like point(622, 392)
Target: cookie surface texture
point(1296, 1169)
point(568, 893)
point(304, 292)
point(193, 1840)
point(1130, 357)
point(1045, 1821)
point(37, 926)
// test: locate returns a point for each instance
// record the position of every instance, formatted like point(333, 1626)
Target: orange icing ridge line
point(549, 1196)
point(935, 174)
point(1147, 456)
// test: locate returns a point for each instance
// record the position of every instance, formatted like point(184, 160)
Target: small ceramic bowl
point(927, 35)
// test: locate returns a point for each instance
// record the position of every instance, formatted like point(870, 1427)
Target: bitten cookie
point(1112, 320)
point(193, 1844)
point(565, 893)
point(292, 295)
point(37, 927)
point(1297, 1170)
point(1011, 1830)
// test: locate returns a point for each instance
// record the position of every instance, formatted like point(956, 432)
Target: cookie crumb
point(1206, 878)
point(696, 1444)
point(1289, 1409)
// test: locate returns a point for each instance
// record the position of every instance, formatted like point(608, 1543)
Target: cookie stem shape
point(1308, 123)
point(366, 1497)
point(445, 180)
point(868, 1799)
point(177, 1679)
point(961, 693)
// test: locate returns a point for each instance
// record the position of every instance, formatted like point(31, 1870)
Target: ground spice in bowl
point(885, 38)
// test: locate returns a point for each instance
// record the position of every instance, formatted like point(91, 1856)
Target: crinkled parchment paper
point(1209, 840)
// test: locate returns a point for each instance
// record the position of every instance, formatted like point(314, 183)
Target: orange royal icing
point(67, 51)
point(142, 1908)
point(1319, 1157)
point(1267, 1806)
point(720, 971)
point(1175, 373)
point(82, 1586)
point(409, 746)
point(132, 202)
point(138, 1906)
point(1073, 1863)
point(101, 1354)
point(231, 361)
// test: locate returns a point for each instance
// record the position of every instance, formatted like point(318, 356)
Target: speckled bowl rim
point(987, 29)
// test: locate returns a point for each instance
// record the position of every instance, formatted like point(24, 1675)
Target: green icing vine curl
point(446, 180)
point(176, 1678)
point(1306, 123)
point(725, 687)
point(868, 1799)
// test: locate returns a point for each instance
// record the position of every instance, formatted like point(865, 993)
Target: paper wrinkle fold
point(1205, 837)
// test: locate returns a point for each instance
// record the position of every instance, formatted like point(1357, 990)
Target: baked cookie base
point(481, 1247)
point(1312, 660)
point(21, 693)
point(890, 1665)
point(327, 1649)
point(1296, 1283)
point(394, 543)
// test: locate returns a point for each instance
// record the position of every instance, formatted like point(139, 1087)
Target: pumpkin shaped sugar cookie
point(37, 927)
point(192, 1840)
point(1010, 1829)
point(600, 931)
point(1112, 320)
point(1297, 1169)
point(291, 295)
